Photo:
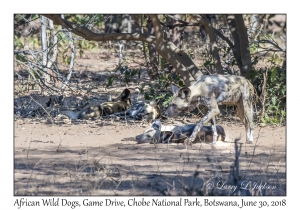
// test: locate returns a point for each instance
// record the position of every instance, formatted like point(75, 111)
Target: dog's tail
point(252, 94)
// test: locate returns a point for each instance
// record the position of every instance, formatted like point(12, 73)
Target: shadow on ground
point(132, 169)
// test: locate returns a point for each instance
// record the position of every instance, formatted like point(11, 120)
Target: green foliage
point(276, 96)
point(254, 48)
point(209, 62)
point(18, 42)
point(110, 81)
point(160, 88)
point(87, 20)
point(163, 63)
point(126, 73)
point(275, 101)
point(268, 56)
point(81, 45)
point(21, 58)
point(129, 73)
point(87, 45)
point(26, 42)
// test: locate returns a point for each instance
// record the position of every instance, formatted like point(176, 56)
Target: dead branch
point(71, 62)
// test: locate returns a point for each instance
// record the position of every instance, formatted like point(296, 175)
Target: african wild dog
point(211, 91)
point(177, 134)
point(119, 104)
point(149, 111)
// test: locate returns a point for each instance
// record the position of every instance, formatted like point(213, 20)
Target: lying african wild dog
point(119, 104)
point(149, 111)
point(177, 134)
point(211, 91)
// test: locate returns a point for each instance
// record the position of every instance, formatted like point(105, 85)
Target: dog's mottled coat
point(177, 134)
point(153, 109)
point(119, 104)
point(211, 91)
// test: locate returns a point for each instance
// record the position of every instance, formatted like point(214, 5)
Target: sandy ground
point(100, 158)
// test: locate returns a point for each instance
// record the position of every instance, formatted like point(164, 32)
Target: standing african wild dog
point(119, 104)
point(211, 91)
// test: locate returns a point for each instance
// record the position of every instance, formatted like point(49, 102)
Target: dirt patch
point(93, 158)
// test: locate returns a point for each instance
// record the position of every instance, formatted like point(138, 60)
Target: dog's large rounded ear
point(184, 93)
point(175, 89)
point(125, 94)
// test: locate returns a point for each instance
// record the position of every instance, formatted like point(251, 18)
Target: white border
point(154, 6)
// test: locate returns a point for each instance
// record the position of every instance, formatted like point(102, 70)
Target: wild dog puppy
point(177, 134)
point(211, 91)
point(119, 104)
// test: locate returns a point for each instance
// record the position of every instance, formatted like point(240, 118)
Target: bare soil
point(100, 157)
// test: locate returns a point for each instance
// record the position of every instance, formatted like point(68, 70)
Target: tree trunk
point(54, 44)
point(126, 26)
point(72, 46)
point(44, 44)
point(254, 22)
point(213, 41)
point(244, 46)
point(111, 24)
point(173, 34)
point(236, 40)
point(153, 56)
point(174, 56)
point(144, 46)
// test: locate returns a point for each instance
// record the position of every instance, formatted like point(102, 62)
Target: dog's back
point(119, 104)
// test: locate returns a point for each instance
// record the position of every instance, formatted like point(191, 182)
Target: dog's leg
point(240, 109)
point(214, 129)
point(244, 111)
point(212, 105)
point(248, 113)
